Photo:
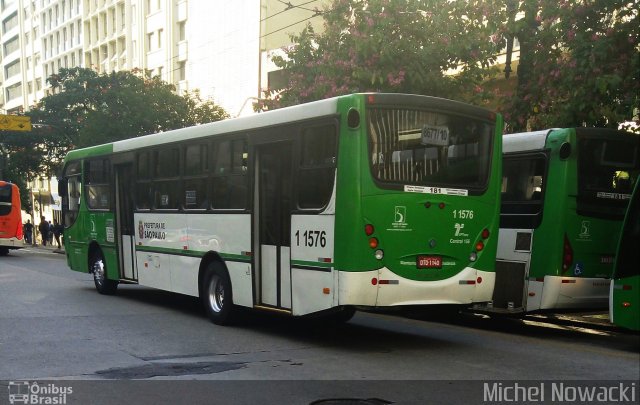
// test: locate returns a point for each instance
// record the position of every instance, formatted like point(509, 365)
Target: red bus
point(10, 218)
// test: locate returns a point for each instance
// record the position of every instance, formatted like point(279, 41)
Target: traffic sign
point(15, 123)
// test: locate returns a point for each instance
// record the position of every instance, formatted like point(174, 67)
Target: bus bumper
point(383, 288)
point(572, 292)
point(12, 243)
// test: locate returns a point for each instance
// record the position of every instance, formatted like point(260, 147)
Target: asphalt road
point(55, 327)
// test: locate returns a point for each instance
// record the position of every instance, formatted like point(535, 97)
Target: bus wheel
point(4, 251)
point(217, 297)
point(99, 270)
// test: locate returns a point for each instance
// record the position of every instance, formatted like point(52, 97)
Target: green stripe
point(193, 253)
point(312, 264)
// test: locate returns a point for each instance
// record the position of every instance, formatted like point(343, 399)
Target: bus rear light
point(568, 281)
point(473, 257)
point(626, 304)
point(479, 280)
point(373, 243)
point(326, 290)
point(467, 282)
point(441, 205)
point(369, 229)
point(567, 257)
point(532, 294)
point(379, 254)
point(374, 281)
point(485, 233)
point(626, 287)
point(479, 246)
point(427, 204)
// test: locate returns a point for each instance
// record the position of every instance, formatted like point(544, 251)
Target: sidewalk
point(51, 248)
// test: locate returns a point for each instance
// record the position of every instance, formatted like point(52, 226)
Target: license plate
point(429, 262)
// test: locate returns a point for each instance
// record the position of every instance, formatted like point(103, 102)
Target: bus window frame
point(301, 167)
point(463, 113)
point(86, 182)
point(64, 184)
point(513, 220)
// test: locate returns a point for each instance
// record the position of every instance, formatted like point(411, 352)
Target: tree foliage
point(579, 64)
point(393, 46)
point(87, 108)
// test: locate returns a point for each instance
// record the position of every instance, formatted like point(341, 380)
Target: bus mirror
point(565, 150)
point(353, 118)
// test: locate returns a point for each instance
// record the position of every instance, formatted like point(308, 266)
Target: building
point(220, 48)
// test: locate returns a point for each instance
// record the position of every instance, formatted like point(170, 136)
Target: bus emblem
point(140, 230)
point(584, 230)
point(400, 215)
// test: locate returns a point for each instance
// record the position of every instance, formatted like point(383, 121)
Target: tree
point(394, 46)
point(88, 109)
point(579, 65)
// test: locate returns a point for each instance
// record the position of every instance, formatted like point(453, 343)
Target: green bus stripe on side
point(193, 253)
point(323, 265)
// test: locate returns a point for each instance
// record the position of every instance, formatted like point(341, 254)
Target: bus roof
point(291, 114)
point(525, 141)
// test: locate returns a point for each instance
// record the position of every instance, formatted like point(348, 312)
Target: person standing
point(57, 230)
point(43, 227)
point(27, 229)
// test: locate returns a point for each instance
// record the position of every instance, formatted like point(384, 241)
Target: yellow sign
point(15, 123)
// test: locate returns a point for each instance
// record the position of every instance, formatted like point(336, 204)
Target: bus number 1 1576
point(312, 238)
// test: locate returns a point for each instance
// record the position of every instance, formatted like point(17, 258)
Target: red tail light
point(567, 255)
point(369, 229)
point(485, 233)
point(479, 246)
point(373, 243)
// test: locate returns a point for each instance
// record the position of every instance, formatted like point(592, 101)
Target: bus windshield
point(419, 147)
point(5, 199)
point(607, 171)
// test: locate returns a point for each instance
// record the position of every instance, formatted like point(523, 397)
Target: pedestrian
point(57, 231)
point(43, 227)
point(27, 229)
point(50, 240)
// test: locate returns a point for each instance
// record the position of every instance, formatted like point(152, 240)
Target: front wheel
point(217, 297)
point(99, 269)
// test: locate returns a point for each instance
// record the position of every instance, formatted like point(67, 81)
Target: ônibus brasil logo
point(25, 392)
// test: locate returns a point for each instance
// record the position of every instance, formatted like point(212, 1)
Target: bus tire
point(4, 251)
point(98, 267)
point(217, 296)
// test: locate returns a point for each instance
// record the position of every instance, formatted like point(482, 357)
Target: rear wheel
point(4, 251)
point(217, 297)
point(99, 269)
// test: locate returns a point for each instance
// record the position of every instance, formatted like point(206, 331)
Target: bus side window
point(522, 191)
point(98, 184)
point(229, 181)
point(143, 183)
point(317, 166)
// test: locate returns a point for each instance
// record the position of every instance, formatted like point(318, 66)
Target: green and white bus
point(564, 196)
point(624, 305)
point(372, 200)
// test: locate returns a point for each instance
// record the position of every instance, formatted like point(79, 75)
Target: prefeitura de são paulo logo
point(25, 392)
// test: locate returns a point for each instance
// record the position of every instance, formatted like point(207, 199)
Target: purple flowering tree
point(579, 65)
point(410, 46)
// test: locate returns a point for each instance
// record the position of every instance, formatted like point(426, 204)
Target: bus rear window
point(409, 146)
point(5, 199)
point(608, 168)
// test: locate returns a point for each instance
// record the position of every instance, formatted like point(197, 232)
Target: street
point(55, 326)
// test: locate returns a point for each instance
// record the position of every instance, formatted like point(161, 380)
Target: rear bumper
point(12, 243)
point(383, 288)
point(572, 292)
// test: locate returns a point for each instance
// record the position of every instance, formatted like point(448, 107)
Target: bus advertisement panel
point(373, 200)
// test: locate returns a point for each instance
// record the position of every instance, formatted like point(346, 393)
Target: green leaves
point(88, 109)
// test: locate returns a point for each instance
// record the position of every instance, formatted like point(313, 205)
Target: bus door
point(272, 224)
point(124, 221)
